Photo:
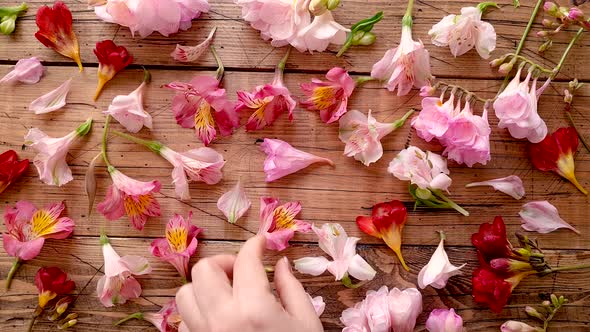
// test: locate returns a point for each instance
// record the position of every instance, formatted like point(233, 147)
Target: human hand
point(232, 293)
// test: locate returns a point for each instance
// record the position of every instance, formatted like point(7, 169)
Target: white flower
point(438, 270)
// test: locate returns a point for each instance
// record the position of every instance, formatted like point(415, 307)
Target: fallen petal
point(28, 71)
point(510, 185)
point(234, 203)
point(192, 53)
point(53, 100)
point(542, 217)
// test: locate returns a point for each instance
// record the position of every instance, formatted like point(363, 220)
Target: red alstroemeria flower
point(111, 60)
point(55, 31)
point(52, 282)
point(556, 153)
point(493, 290)
point(10, 168)
point(491, 240)
point(386, 222)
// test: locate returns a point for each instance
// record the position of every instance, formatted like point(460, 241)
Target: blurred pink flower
point(129, 111)
point(192, 53)
point(331, 97)
point(53, 100)
point(167, 319)
point(514, 326)
point(443, 320)
point(278, 223)
point(234, 203)
point(542, 217)
point(318, 304)
point(510, 185)
point(28, 71)
point(427, 170)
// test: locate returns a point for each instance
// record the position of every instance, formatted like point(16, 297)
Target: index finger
point(250, 278)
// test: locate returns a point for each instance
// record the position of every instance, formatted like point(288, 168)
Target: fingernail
point(288, 264)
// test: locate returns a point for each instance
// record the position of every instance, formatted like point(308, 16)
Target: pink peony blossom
point(427, 170)
point(130, 197)
point(179, 244)
point(438, 270)
point(282, 159)
point(53, 100)
point(542, 217)
point(202, 105)
point(278, 223)
point(28, 71)
point(234, 203)
point(329, 98)
point(443, 320)
point(129, 111)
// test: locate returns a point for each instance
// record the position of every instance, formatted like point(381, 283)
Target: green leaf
point(360, 33)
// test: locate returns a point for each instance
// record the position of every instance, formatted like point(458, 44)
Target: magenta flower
point(202, 105)
point(282, 159)
point(130, 197)
point(278, 223)
point(179, 244)
point(330, 98)
point(118, 284)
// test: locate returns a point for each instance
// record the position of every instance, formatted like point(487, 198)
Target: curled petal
point(192, 53)
point(318, 304)
point(28, 71)
point(542, 217)
point(438, 270)
point(53, 100)
point(510, 185)
point(234, 203)
point(312, 265)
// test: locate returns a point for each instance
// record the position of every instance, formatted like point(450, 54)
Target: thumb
point(292, 294)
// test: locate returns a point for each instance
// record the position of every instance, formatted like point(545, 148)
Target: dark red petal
point(9, 156)
point(385, 215)
point(366, 225)
point(544, 155)
point(566, 139)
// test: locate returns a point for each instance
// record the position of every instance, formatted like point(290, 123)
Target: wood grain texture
point(327, 194)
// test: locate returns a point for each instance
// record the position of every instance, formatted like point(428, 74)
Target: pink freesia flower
point(234, 203)
point(329, 98)
point(464, 32)
point(27, 228)
point(516, 107)
point(118, 285)
point(51, 153)
point(362, 135)
point(52, 100)
point(318, 304)
point(427, 170)
point(130, 197)
point(405, 66)
point(28, 71)
point(192, 53)
point(179, 244)
point(278, 223)
point(202, 105)
point(334, 241)
point(167, 319)
point(282, 159)
point(433, 120)
point(438, 270)
point(202, 164)
point(318, 35)
point(443, 320)
point(405, 306)
point(542, 217)
point(129, 111)
point(510, 185)
point(147, 16)
point(514, 326)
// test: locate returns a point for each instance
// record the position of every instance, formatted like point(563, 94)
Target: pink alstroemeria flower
point(439, 269)
point(52, 152)
point(542, 217)
point(278, 223)
point(516, 107)
point(433, 120)
point(362, 135)
point(129, 111)
point(427, 170)
point(510, 185)
point(329, 98)
point(201, 164)
point(28, 71)
point(405, 66)
point(179, 244)
point(130, 197)
point(167, 319)
point(443, 320)
point(202, 105)
point(334, 241)
point(282, 159)
point(118, 285)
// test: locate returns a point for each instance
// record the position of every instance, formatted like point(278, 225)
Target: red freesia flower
point(52, 282)
point(556, 153)
point(10, 168)
point(491, 240)
point(111, 60)
point(492, 289)
point(386, 222)
point(55, 31)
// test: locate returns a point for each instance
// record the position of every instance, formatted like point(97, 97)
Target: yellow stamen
point(284, 218)
point(203, 117)
point(177, 238)
point(323, 97)
point(139, 206)
point(42, 223)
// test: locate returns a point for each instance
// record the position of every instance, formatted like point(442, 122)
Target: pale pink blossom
point(127, 196)
point(334, 241)
point(167, 319)
point(516, 107)
point(202, 105)
point(463, 32)
point(443, 320)
point(282, 159)
point(362, 135)
point(118, 285)
point(542, 217)
point(433, 120)
point(179, 244)
point(318, 304)
point(52, 100)
point(201, 164)
point(404, 306)
point(129, 111)
point(405, 66)
point(278, 223)
point(427, 170)
point(329, 98)
point(510, 185)
point(438, 270)
point(146, 16)
point(50, 160)
point(318, 35)
point(28, 71)
point(514, 326)
point(192, 53)
point(234, 203)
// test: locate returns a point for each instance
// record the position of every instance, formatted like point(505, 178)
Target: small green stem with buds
point(360, 33)
point(137, 315)
point(469, 94)
point(220, 68)
point(451, 203)
point(15, 266)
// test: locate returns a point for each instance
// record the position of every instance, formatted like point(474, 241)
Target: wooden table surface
point(327, 195)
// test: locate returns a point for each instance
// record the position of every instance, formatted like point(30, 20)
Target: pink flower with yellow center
point(130, 197)
point(278, 223)
point(330, 98)
point(179, 244)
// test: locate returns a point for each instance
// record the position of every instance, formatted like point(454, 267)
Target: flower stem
point(407, 20)
point(137, 315)
point(529, 26)
point(362, 80)
point(105, 134)
point(15, 266)
point(566, 268)
point(147, 76)
point(348, 283)
point(566, 52)
point(569, 116)
point(400, 122)
point(31, 324)
point(220, 68)
point(281, 67)
point(154, 146)
point(452, 204)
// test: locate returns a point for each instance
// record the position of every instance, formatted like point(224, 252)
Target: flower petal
point(510, 185)
point(234, 203)
point(28, 71)
point(360, 269)
point(192, 53)
point(52, 100)
point(312, 265)
point(542, 217)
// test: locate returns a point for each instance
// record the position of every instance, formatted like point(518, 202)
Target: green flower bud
point(332, 4)
point(7, 25)
point(534, 313)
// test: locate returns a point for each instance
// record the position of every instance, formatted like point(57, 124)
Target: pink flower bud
point(542, 33)
point(568, 97)
point(497, 62)
point(506, 68)
point(427, 91)
point(547, 23)
point(509, 265)
point(575, 14)
point(551, 8)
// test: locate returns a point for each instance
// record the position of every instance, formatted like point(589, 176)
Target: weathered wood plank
point(241, 47)
point(82, 259)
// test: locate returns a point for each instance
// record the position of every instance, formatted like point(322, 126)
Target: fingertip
point(184, 295)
